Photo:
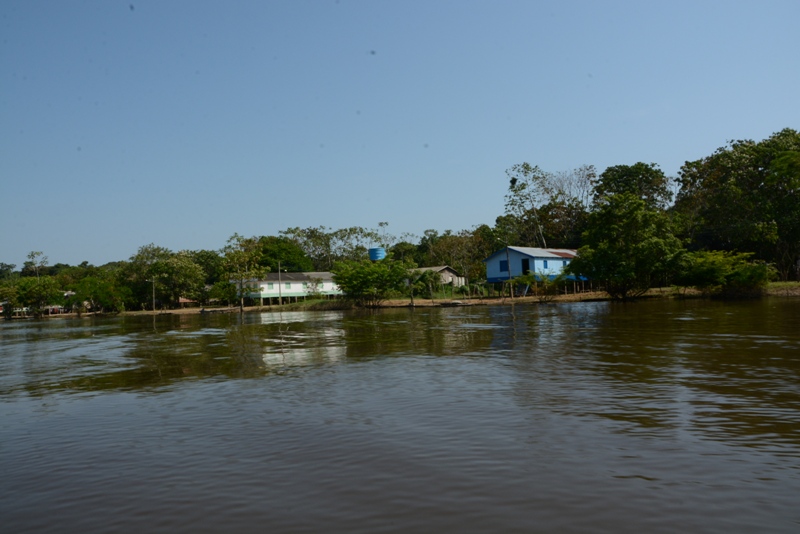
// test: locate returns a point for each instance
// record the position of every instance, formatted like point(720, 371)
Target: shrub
point(723, 273)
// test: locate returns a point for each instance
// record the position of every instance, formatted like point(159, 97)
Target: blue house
point(510, 262)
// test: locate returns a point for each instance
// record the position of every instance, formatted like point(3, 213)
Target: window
point(288, 285)
point(564, 263)
point(526, 266)
point(305, 285)
point(270, 285)
point(503, 266)
point(544, 263)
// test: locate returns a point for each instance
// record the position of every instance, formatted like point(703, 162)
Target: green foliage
point(628, 247)
point(325, 246)
point(141, 275)
point(6, 270)
point(545, 209)
point(157, 271)
point(68, 276)
point(461, 251)
point(642, 180)
point(38, 293)
point(101, 294)
point(746, 197)
point(212, 264)
point(243, 256)
point(544, 287)
point(405, 251)
point(180, 276)
point(369, 283)
point(528, 189)
point(724, 273)
point(35, 265)
point(223, 291)
point(425, 283)
point(9, 297)
point(281, 249)
point(314, 288)
point(564, 220)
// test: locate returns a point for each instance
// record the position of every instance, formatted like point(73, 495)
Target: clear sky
point(180, 123)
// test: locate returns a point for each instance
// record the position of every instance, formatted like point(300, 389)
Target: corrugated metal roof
point(533, 252)
point(322, 275)
point(437, 269)
point(286, 277)
point(546, 252)
point(563, 253)
point(298, 277)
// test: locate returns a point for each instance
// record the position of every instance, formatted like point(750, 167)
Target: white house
point(295, 285)
point(511, 262)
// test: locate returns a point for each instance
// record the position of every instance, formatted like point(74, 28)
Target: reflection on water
point(517, 418)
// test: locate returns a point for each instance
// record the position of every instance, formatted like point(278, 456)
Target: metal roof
point(437, 269)
point(533, 252)
point(297, 277)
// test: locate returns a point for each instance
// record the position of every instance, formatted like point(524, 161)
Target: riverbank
point(775, 289)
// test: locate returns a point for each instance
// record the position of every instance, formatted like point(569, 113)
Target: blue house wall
point(503, 264)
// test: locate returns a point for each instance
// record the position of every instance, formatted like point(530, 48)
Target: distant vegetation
point(726, 225)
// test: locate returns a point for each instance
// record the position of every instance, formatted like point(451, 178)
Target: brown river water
point(655, 416)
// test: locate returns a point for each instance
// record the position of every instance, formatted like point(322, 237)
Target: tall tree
point(325, 246)
point(643, 180)
point(628, 247)
point(746, 197)
point(70, 275)
point(281, 249)
point(528, 188)
point(143, 275)
point(100, 292)
point(181, 277)
point(243, 264)
point(369, 283)
point(462, 251)
point(211, 262)
point(546, 209)
point(564, 220)
point(316, 242)
point(38, 293)
point(9, 297)
point(404, 250)
point(575, 186)
point(6, 270)
point(37, 261)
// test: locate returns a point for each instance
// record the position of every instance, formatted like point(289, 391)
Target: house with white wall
point(510, 262)
point(292, 286)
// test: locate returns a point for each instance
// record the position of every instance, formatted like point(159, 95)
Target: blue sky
point(181, 123)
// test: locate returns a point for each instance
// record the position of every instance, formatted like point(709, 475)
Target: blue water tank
point(377, 253)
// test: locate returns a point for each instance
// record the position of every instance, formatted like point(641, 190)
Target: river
point(652, 416)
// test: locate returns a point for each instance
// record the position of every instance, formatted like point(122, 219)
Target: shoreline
point(782, 290)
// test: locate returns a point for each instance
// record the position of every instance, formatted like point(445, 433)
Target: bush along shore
point(774, 289)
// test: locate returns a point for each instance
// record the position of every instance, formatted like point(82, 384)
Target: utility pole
point(508, 264)
point(153, 279)
point(280, 290)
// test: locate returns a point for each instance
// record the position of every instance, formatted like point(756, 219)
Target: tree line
point(727, 222)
